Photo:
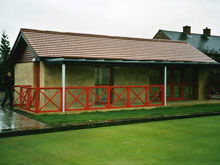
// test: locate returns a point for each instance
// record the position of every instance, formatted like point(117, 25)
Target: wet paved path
point(12, 121)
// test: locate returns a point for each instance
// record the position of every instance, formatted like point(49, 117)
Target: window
point(155, 76)
point(189, 83)
point(154, 79)
point(103, 77)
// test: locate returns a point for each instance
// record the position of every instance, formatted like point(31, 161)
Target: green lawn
point(186, 141)
point(123, 114)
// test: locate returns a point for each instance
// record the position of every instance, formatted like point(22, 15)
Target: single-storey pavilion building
point(57, 71)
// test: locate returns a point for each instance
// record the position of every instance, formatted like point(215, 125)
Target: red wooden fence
point(49, 99)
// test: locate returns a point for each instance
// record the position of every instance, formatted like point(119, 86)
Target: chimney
point(207, 32)
point(187, 29)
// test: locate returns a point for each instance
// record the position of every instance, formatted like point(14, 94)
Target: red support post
point(37, 87)
point(37, 69)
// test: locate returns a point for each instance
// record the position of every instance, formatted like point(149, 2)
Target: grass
point(186, 141)
point(123, 114)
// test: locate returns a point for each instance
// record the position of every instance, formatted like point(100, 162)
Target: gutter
point(124, 62)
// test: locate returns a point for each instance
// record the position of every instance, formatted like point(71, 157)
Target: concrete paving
point(12, 121)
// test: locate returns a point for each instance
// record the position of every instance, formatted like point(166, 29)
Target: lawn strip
point(189, 141)
point(84, 117)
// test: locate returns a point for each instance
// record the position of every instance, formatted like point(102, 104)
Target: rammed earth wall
point(24, 74)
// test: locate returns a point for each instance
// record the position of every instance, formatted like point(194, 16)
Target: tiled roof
point(209, 45)
point(75, 45)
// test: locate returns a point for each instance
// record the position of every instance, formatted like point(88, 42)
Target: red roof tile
point(75, 45)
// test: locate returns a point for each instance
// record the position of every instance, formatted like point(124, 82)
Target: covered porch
point(110, 85)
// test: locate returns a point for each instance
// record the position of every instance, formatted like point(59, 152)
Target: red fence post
point(61, 100)
point(28, 96)
point(163, 95)
point(128, 97)
point(146, 92)
point(21, 96)
point(108, 97)
point(37, 99)
point(87, 98)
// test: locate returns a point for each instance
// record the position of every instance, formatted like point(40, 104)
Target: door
point(174, 84)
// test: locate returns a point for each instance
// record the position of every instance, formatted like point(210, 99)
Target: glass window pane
point(168, 77)
point(102, 75)
point(154, 92)
point(154, 76)
point(176, 77)
point(176, 91)
point(188, 92)
point(103, 97)
point(188, 76)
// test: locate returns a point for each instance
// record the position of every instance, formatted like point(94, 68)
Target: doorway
point(181, 82)
point(174, 84)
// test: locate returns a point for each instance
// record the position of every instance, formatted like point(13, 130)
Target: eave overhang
point(125, 62)
point(21, 39)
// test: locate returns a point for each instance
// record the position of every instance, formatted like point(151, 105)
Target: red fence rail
point(49, 99)
point(17, 94)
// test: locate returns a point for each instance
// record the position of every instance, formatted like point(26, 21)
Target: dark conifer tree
point(4, 47)
point(4, 54)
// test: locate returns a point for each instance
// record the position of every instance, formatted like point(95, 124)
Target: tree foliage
point(4, 54)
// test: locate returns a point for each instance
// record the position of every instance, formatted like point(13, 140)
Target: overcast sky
point(132, 18)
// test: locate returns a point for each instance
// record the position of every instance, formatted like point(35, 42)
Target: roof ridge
point(190, 33)
point(98, 36)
